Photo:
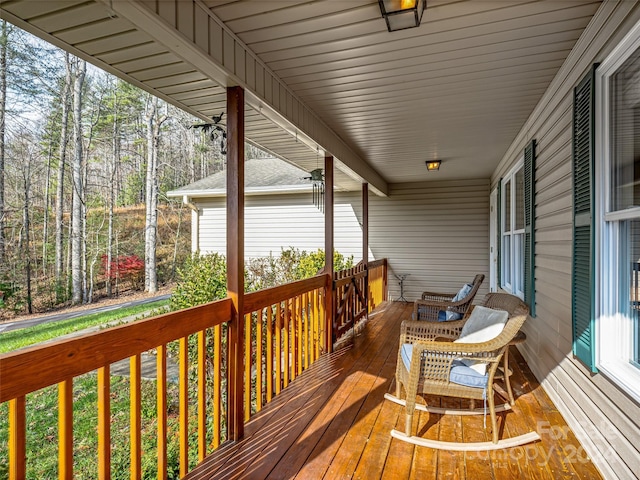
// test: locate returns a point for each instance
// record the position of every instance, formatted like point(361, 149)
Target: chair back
point(431, 304)
point(505, 301)
point(518, 314)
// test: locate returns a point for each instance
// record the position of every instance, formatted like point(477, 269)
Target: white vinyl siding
point(437, 232)
point(274, 222)
point(604, 419)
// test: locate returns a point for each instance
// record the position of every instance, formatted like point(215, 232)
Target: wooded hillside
point(82, 155)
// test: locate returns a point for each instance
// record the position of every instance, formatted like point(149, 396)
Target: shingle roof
point(260, 174)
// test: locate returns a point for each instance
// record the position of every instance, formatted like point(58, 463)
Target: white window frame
point(516, 260)
point(614, 331)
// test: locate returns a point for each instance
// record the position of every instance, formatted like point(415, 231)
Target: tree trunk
point(3, 103)
point(27, 236)
point(151, 219)
point(115, 159)
point(78, 190)
point(59, 265)
point(45, 221)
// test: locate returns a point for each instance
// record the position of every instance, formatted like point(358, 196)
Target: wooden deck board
point(333, 422)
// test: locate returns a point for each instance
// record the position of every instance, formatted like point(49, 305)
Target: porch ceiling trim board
point(219, 54)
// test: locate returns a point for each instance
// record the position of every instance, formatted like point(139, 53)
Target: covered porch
point(474, 86)
point(333, 422)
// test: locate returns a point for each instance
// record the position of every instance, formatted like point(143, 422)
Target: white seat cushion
point(460, 373)
point(482, 325)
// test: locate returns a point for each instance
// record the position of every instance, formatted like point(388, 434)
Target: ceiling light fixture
point(401, 14)
point(433, 165)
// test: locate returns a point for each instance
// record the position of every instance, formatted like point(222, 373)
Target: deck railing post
point(235, 258)
point(328, 248)
point(365, 245)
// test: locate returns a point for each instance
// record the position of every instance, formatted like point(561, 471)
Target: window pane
point(519, 186)
point(507, 207)
point(506, 260)
point(518, 264)
point(629, 280)
point(625, 155)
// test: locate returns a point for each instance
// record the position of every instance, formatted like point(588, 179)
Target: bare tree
point(78, 218)
point(3, 104)
point(62, 165)
point(153, 121)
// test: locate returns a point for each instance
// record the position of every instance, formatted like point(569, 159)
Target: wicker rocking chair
point(435, 359)
point(432, 306)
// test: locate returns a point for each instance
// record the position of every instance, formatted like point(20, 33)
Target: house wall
point(274, 222)
point(437, 232)
point(606, 421)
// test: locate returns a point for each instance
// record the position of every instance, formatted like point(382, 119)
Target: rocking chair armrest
point(485, 351)
point(412, 331)
point(428, 310)
point(437, 297)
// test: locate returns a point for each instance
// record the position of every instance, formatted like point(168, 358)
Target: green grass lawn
point(42, 431)
point(25, 337)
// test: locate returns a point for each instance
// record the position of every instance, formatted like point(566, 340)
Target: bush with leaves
point(202, 279)
point(291, 265)
point(311, 263)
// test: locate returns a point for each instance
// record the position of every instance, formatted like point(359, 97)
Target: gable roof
point(262, 176)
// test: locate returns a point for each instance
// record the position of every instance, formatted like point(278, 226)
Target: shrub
point(126, 268)
point(202, 279)
point(311, 263)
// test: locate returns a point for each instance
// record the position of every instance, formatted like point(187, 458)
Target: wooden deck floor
point(333, 422)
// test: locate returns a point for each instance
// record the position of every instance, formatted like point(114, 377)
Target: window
point(513, 231)
point(618, 214)
point(516, 225)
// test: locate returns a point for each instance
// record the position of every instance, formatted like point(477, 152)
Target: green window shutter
point(529, 226)
point(499, 229)
point(583, 298)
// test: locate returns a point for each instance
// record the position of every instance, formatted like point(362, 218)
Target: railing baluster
point(305, 327)
point(202, 399)
point(104, 423)
point(312, 324)
point(247, 367)
point(65, 429)
point(217, 384)
point(183, 401)
point(287, 347)
point(278, 347)
point(299, 334)
point(269, 357)
point(17, 439)
point(259, 360)
point(135, 417)
point(161, 399)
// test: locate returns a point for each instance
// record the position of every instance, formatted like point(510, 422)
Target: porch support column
point(365, 243)
point(235, 257)
point(328, 247)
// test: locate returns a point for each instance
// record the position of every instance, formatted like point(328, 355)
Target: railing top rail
point(30, 369)
point(345, 280)
point(376, 263)
point(263, 298)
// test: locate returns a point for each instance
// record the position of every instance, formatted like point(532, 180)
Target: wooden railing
point(378, 287)
point(357, 291)
point(29, 370)
point(285, 332)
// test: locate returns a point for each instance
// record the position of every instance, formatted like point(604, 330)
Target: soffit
point(457, 88)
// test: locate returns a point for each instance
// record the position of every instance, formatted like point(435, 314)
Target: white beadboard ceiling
point(458, 88)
